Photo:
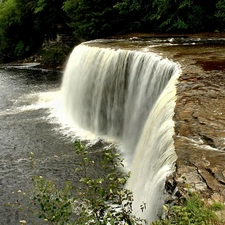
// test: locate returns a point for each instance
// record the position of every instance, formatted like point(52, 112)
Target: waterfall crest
point(128, 96)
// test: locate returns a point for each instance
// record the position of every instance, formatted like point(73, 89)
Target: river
point(28, 101)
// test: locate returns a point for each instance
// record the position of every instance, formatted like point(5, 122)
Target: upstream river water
point(30, 122)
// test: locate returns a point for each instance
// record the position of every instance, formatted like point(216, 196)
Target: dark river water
point(30, 122)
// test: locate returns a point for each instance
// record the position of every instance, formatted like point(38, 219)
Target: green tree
point(19, 38)
point(220, 14)
point(90, 18)
point(25, 24)
point(50, 19)
point(173, 15)
point(128, 17)
point(10, 22)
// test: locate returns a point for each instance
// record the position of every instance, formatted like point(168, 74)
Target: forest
point(26, 24)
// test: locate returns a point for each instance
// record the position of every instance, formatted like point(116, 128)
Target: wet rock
point(200, 119)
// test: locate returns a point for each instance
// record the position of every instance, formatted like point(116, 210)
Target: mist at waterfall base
point(127, 96)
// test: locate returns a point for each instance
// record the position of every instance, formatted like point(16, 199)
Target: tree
point(220, 14)
point(90, 18)
point(25, 24)
point(50, 19)
point(179, 16)
point(19, 37)
point(128, 17)
point(10, 22)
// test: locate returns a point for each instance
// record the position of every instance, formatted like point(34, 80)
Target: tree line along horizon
point(26, 24)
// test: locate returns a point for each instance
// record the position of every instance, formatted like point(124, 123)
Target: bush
point(100, 200)
point(190, 211)
point(53, 205)
point(53, 56)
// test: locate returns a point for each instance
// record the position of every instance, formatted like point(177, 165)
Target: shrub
point(53, 205)
point(100, 200)
point(190, 211)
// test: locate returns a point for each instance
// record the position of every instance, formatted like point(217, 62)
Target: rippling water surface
point(29, 98)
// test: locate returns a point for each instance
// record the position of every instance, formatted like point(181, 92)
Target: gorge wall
point(200, 116)
point(199, 112)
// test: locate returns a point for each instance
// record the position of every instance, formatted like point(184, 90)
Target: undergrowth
point(191, 210)
point(104, 200)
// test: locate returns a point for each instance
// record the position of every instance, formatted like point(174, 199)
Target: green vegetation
point(53, 56)
point(102, 198)
point(26, 24)
point(191, 210)
point(54, 205)
point(96, 199)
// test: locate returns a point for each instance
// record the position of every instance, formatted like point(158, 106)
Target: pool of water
point(30, 122)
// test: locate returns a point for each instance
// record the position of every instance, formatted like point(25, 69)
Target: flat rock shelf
point(200, 116)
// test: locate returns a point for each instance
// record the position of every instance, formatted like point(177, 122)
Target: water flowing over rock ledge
point(200, 117)
point(128, 96)
point(199, 112)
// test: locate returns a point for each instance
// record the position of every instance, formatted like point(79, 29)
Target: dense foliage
point(26, 24)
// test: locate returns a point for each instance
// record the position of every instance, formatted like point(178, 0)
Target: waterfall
point(128, 96)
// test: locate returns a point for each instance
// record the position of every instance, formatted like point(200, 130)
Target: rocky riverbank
point(199, 112)
point(200, 117)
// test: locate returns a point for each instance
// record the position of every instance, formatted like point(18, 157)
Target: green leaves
point(104, 199)
point(190, 211)
point(127, 6)
point(172, 15)
point(24, 25)
point(220, 14)
point(53, 205)
point(41, 4)
point(99, 198)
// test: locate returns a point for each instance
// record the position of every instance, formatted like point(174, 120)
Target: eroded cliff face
point(200, 107)
point(200, 118)
point(200, 123)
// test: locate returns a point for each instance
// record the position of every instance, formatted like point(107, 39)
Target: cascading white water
point(154, 156)
point(129, 96)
